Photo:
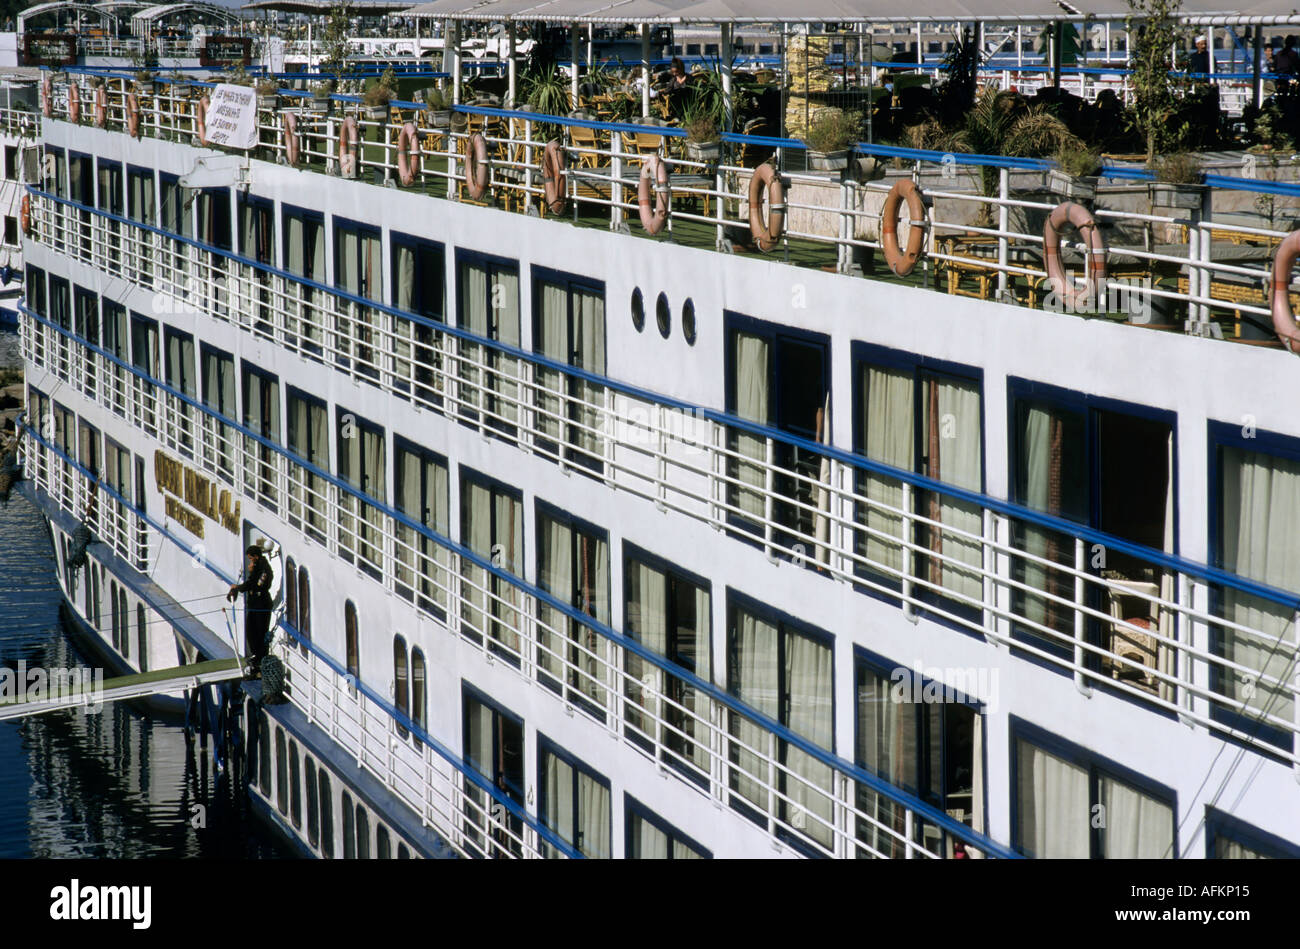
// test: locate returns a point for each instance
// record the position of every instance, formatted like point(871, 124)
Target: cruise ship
point(640, 497)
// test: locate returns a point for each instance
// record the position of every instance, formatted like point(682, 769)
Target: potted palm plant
point(376, 100)
point(1179, 181)
point(829, 138)
point(703, 141)
point(438, 107)
point(1076, 173)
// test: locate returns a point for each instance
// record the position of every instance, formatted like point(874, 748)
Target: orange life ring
point(1284, 323)
point(902, 262)
point(26, 213)
point(47, 97)
point(291, 138)
point(476, 166)
point(74, 103)
point(101, 107)
point(348, 148)
point(408, 154)
point(132, 115)
point(656, 167)
point(1082, 219)
point(554, 177)
point(768, 233)
point(201, 118)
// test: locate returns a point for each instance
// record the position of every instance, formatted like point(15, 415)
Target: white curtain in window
point(1052, 799)
point(479, 525)
point(647, 620)
point(589, 332)
point(808, 680)
point(890, 429)
point(1038, 453)
point(593, 807)
point(757, 684)
point(555, 569)
point(1261, 508)
point(652, 843)
point(752, 397)
point(410, 502)
point(508, 536)
point(554, 343)
point(505, 327)
point(960, 464)
point(1135, 826)
point(558, 781)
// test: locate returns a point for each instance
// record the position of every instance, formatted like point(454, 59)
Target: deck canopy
point(152, 17)
point(834, 11)
point(325, 7)
point(105, 17)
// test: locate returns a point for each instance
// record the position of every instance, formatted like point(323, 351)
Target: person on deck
point(1199, 61)
point(257, 605)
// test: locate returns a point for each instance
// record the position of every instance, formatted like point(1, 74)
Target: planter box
point(828, 161)
point(266, 103)
point(1070, 187)
point(1166, 195)
point(440, 118)
point(375, 113)
point(704, 151)
point(321, 103)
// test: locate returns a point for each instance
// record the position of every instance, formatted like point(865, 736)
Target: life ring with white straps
point(101, 107)
point(291, 138)
point(766, 233)
point(1095, 281)
point(348, 136)
point(903, 262)
point(554, 177)
point(408, 154)
point(1284, 323)
point(201, 118)
point(25, 213)
point(656, 168)
point(132, 114)
point(74, 104)
point(476, 166)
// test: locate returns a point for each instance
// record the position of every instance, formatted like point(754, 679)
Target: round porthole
point(688, 321)
point(663, 316)
point(638, 310)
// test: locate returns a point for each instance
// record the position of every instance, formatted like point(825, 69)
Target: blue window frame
point(569, 327)
point(1103, 464)
point(785, 669)
point(34, 286)
point(358, 269)
point(492, 526)
point(493, 740)
point(261, 401)
point(922, 736)
point(362, 461)
point(777, 377)
point(1227, 838)
point(1071, 802)
point(304, 256)
point(307, 432)
point(487, 305)
point(669, 611)
point(1254, 501)
point(257, 228)
point(573, 801)
point(173, 215)
point(421, 492)
point(924, 416)
point(140, 194)
point(647, 836)
point(417, 285)
point(85, 307)
point(213, 221)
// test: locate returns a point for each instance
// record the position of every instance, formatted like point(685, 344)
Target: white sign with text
point(232, 117)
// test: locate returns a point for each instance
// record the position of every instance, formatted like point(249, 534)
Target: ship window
point(97, 579)
point(116, 342)
point(349, 825)
point(304, 607)
point(281, 772)
point(779, 378)
point(141, 638)
point(494, 747)
point(61, 316)
point(569, 327)
point(383, 843)
point(362, 465)
point(1254, 506)
point(34, 286)
point(421, 494)
point(572, 566)
point(785, 670)
point(487, 304)
point(352, 645)
point(419, 706)
point(257, 229)
point(669, 612)
point(11, 162)
point(308, 433)
point(923, 417)
point(1067, 803)
point(290, 586)
point(363, 832)
point(112, 599)
point(1227, 838)
point(179, 367)
point(304, 255)
point(688, 321)
point(109, 196)
point(85, 310)
point(117, 472)
point(1107, 466)
point(295, 786)
point(313, 805)
point(124, 632)
point(418, 275)
point(403, 852)
point(638, 310)
point(574, 802)
point(88, 448)
point(650, 837)
point(214, 223)
point(261, 396)
point(692, 49)
point(401, 683)
point(145, 357)
point(358, 270)
point(930, 748)
point(492, 526)
point(264, 754)
point(326, 815)
point(663, 315)
point(11, 230)
point(219, 397)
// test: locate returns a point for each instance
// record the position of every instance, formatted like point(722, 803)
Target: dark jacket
point(257, 588)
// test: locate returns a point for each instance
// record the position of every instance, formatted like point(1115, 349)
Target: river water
point(112, 784)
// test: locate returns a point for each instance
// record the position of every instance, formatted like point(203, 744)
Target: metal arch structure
point(106, 18)
point(324, 7)
point(146, 19)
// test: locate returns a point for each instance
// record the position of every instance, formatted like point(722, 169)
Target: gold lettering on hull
point(191, 496)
